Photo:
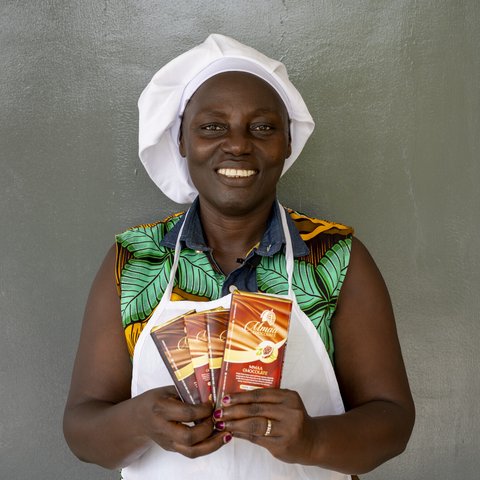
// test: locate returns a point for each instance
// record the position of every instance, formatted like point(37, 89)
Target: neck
point(232, 237)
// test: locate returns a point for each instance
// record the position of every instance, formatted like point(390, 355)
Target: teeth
point(236, 173)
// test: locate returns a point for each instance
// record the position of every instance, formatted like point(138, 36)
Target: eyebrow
point(258, 111)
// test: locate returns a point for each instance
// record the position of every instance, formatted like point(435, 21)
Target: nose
point(237, 142)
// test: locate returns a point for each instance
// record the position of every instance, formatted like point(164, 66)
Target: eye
point(261, 127)
point(213, 127)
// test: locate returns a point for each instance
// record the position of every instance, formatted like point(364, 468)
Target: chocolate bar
point(217, 324)
point(256, 341)
point(172, 344)
point(196, 330)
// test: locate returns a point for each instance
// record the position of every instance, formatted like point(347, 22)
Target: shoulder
point(143, 242)
point(148, 232)
point(322, 236)
point(310, 227)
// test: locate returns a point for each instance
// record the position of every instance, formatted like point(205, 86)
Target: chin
point(235, 205)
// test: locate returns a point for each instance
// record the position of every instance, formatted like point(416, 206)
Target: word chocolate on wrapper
point(256, 340)
point(171, 342)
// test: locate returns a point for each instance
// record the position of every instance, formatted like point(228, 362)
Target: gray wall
point(394, 88)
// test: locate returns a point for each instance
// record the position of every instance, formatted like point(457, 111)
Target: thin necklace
point(240, 260)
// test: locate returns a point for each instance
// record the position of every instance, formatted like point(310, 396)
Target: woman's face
point(235, 136)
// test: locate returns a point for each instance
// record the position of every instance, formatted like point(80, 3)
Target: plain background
point(394, 89)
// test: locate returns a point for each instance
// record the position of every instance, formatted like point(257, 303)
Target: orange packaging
point(171, 342)
point(196, 330)
point(255, 345)
point(217, 324)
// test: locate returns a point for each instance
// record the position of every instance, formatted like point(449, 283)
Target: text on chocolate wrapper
point(259, 327)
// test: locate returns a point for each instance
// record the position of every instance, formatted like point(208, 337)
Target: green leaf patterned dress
point(143, 267)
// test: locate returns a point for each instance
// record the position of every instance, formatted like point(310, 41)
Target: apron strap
point(288, 251)
point(288, 255)
point(167, 294)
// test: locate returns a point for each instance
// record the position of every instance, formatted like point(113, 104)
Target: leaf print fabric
point(316, 288)
point(196, 275)
point(145, 275)
point(143, 269)
point(143, 284)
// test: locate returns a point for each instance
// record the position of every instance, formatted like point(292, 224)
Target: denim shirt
point(243, 277)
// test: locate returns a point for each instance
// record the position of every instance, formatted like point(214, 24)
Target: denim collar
point(272, 242)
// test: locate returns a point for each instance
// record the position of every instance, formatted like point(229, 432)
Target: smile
point(235, 172)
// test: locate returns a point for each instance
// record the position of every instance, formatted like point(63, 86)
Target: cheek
point(198, 169)
point(278, 153)
point(197, 152)
point(281, 144)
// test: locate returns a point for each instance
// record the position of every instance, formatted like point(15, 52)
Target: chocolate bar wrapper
point(217, 324)
point(255, 345)
point(196, 330)
point(172, 344)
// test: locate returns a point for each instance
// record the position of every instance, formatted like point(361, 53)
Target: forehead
point(239, 87)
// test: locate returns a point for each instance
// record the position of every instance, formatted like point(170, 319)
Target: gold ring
point(268, 431)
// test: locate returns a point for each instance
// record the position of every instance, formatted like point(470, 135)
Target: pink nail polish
point(220, 426)
point(227, 438)
point(226, 400)
point(217, 414)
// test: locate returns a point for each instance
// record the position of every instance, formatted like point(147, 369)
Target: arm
point(372, 379)
point(102, 424)
point(370, 369)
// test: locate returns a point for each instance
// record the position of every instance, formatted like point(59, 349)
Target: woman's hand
point(177, 426)
point(272, 418)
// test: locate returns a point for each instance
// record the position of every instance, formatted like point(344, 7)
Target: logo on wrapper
point(269, 317)
point(183, 344)
point(267, 352)
point(265, 326)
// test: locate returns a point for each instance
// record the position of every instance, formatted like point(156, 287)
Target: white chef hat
point(163, 101)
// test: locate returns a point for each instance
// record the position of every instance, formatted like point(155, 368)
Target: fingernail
point(227, 438)
point(220, 426)
point(226, 400)
point(217, 414)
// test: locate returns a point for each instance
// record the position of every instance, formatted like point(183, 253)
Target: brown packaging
point(256, 340)
point(172, 344)
point(217, 324)
point(196, 330)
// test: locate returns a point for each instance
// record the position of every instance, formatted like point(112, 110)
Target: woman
point(219, 125)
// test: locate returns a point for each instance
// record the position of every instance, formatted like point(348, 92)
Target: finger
point(260, 395)
point(170, 391)
point(251, 410)
point(205, 447)
point(172, 409)
point(177, 434)
point(256, 427)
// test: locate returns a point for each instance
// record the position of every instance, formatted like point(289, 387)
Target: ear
point(181, 146)
point(289, 148)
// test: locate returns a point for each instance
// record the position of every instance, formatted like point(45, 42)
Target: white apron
point(307, 369)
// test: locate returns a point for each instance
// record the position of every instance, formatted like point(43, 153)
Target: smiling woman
point(219, 125)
